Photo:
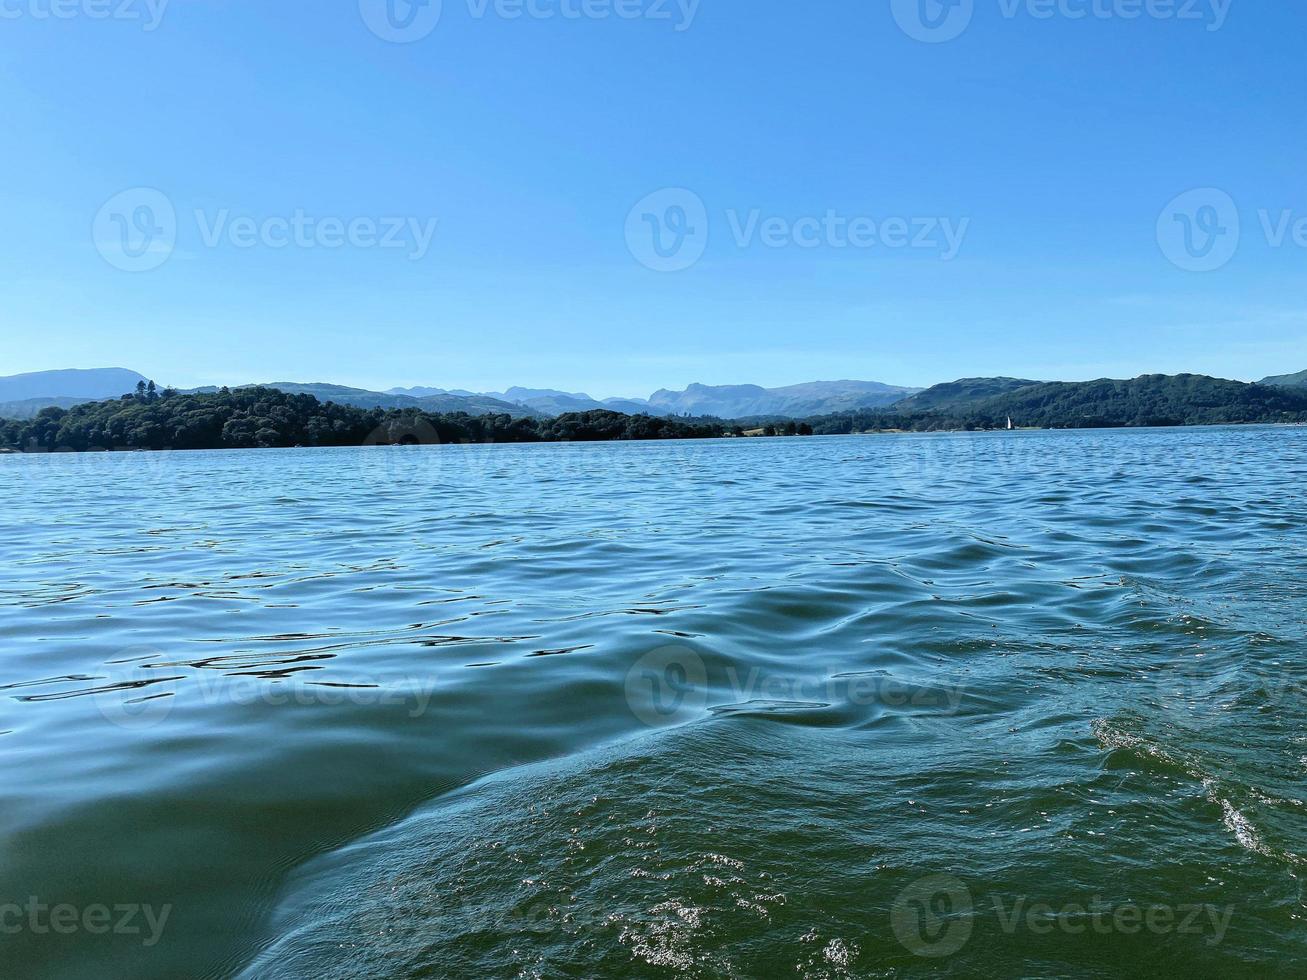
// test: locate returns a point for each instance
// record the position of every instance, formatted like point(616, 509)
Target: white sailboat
point(1010, 426)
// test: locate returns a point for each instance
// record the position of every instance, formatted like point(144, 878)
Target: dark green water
point(1024, 704)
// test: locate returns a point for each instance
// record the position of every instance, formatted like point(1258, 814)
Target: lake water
point(994, 704)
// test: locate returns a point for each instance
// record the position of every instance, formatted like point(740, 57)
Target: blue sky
point(1050, 144)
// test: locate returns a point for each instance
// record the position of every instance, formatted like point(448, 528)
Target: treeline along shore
point(1153, 400)
point(251, 418)
point(264, 418)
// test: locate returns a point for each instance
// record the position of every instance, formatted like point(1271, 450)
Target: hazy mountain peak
point(417, 392)
point(90, 384)
point(515, 393)
point(795, 401)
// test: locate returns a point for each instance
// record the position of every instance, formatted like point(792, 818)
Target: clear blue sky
point(529, 140)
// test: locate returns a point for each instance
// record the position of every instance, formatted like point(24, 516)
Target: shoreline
point(127, 451)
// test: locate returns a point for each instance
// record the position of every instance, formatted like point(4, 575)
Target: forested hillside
point(264, 418)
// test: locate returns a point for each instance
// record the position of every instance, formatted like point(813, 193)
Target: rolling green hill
point(362, 398)
point(1154, 399)
point(956, 394)
point(1287, 380)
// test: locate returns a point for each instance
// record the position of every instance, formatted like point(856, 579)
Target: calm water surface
point(1001, 704)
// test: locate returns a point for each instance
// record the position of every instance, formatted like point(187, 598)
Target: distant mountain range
point(23, 396)
point(362, 398)
point(795, 401)
point(539, 401)
point(28, 394)
point(720, 401)
point(95, 383)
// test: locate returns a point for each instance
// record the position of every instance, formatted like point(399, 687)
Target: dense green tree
point(262, 418)
point(1152, 400)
